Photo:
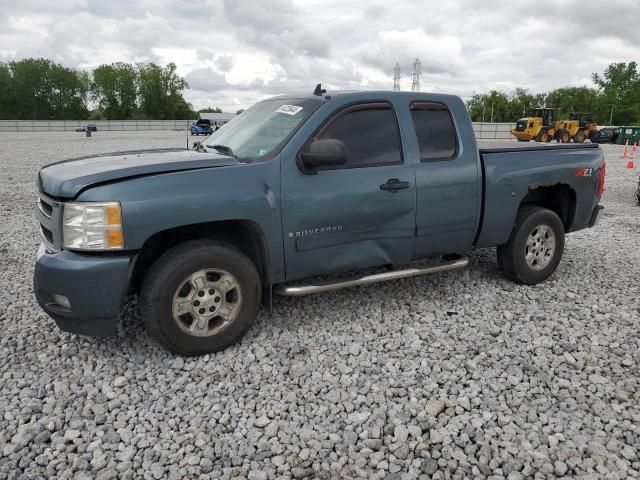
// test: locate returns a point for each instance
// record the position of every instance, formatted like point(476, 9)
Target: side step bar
point(299, 290)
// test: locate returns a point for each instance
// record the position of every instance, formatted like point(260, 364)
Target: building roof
point(216, 117)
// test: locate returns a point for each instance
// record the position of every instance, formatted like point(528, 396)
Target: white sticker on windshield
point(289, 109)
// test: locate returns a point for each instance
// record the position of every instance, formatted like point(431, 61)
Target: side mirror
point(324, 153)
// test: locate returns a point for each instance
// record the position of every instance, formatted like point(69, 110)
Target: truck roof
point(359, 94)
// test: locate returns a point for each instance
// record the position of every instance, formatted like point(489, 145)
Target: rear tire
point(200, 297)
point(563, 136)
point(534, 248)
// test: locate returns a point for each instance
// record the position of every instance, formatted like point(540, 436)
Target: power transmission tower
point(415, 76)
point(396, 77)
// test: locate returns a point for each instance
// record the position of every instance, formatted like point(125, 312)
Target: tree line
point(40, 89)
point(615, 100)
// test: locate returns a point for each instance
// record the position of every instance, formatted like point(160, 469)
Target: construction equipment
point(539, 127)
point(578, 128)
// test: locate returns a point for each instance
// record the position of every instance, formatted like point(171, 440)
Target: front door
point(356, 215)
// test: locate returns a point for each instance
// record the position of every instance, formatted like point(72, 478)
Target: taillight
point(601, 175)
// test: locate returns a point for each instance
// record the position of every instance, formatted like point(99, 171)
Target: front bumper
point(95, 287)
point(521, 135)
point(199, 131)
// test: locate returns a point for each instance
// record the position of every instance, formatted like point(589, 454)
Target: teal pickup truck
point(294, 188)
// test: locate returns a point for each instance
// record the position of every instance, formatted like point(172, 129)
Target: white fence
point(102, 125)
point(482, 130)
point(492, 130)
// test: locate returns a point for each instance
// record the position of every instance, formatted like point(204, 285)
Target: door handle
point(393, 185)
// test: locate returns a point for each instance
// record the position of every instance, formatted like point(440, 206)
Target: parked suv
point(607, 135)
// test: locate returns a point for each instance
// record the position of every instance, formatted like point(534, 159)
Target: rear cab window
point(435, 131)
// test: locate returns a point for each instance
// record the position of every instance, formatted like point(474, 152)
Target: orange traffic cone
point(630, 161)
point(626, 142)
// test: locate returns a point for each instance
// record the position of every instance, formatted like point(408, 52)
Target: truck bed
point(511, 171)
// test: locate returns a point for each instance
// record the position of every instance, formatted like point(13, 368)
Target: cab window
point(435, 131)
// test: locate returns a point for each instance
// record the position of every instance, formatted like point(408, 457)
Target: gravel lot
point(449, 376)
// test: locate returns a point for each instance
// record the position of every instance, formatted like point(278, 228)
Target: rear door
point(356, 215)
point(448, 178)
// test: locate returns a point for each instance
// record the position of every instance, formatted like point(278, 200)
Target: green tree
point(522, 103)
point(568, 100)
point(7, 94)
point(160, 92)
point(476, 107)
point(31, 88)
point(620, 89)
point(210, 109)
point(491, 107)
point(114, 90)
point(68, 93)
point(39, 89)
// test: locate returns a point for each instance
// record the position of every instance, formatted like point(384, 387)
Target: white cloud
point(224, 62)
point(234, 52)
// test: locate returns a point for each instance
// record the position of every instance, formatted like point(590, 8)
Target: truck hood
point(67, 178)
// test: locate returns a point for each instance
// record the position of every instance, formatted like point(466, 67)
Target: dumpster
point(630, 134)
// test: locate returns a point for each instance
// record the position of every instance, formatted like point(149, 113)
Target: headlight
point(92, 226)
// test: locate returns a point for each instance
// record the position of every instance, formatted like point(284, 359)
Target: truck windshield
point(262, 129)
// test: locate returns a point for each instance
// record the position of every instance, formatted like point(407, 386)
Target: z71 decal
point(584, 172)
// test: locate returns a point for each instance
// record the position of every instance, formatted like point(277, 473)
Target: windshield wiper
point(223, 149)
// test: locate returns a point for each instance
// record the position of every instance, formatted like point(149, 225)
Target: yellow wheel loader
point(578, 128)
point(539, 127)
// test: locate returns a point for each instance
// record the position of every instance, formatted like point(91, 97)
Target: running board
point(299, 290)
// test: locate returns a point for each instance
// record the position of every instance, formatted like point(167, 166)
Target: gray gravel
point(450, 376)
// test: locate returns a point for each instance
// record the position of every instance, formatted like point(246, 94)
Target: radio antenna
point(319, 91)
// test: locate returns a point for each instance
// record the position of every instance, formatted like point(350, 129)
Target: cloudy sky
point(234, 52)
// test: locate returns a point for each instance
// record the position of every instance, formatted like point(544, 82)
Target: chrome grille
point(48, 212)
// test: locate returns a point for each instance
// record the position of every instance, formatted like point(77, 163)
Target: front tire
point(200, 297)
point(543, 136)
point(534, 248)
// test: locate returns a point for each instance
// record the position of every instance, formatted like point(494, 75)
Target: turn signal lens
point(115, 238)
point(113, 215)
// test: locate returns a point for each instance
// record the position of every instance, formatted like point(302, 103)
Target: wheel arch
point(559, 198)
point(245, 235)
